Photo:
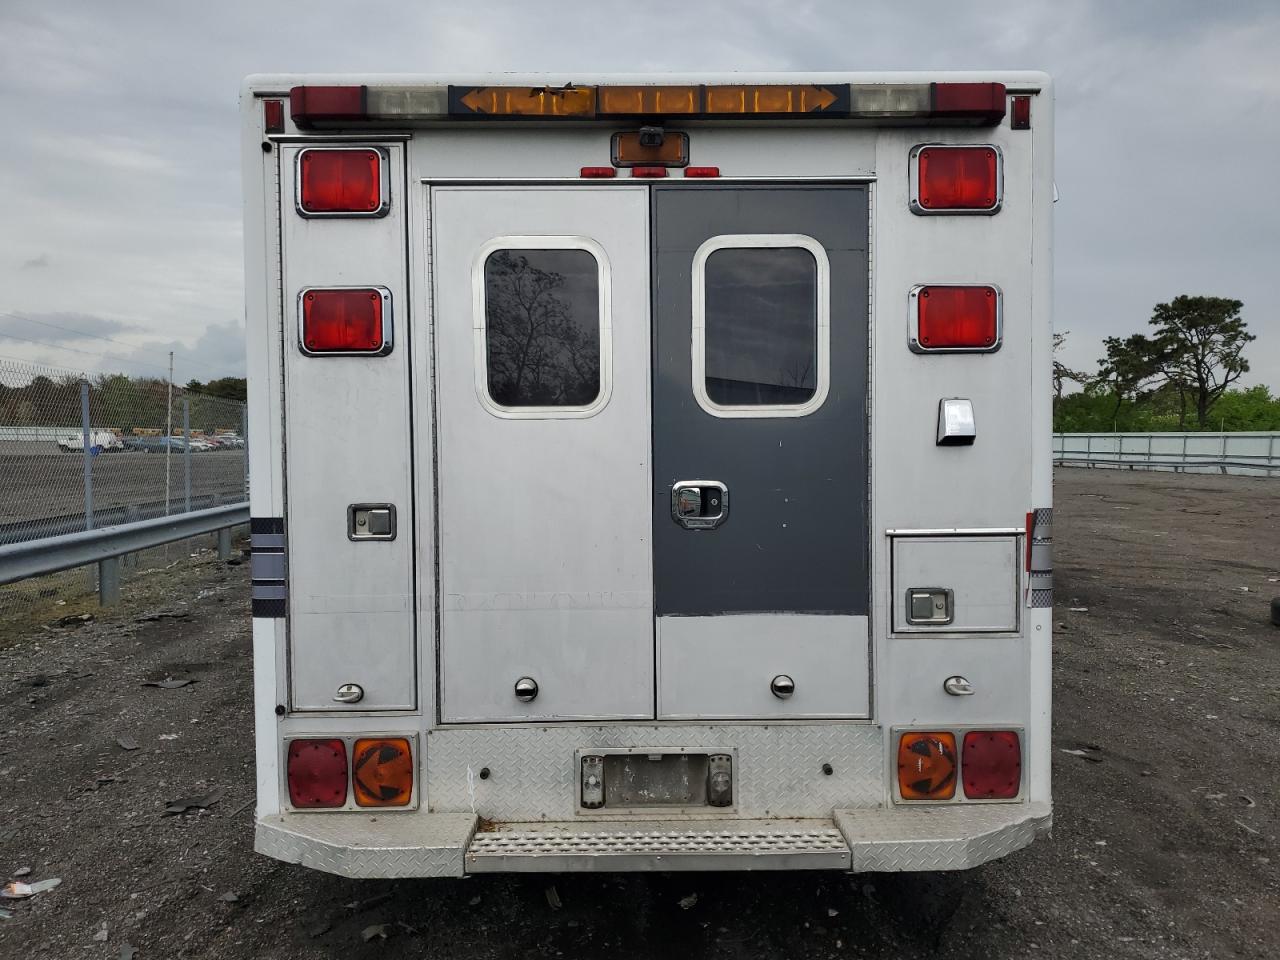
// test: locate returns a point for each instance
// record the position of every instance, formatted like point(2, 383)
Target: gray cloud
point(36, 263)
point(121, 150)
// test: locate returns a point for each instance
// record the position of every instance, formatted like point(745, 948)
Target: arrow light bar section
point(980, 103)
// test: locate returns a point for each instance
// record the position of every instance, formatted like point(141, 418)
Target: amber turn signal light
point(927, 766)
point(382, 772)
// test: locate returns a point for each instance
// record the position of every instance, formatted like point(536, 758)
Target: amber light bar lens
point(927, 766)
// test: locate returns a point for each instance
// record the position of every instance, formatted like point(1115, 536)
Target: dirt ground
point(1167, 679)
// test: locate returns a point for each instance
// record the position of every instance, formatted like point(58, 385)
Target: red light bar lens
point(340, 182)
point(977, 101)
point(648, 171)
point(991, 764)
point(598, 173)
point(273, 116)
point(956, 318)
point(317, 773)
point(957, 178)
point(311, 104)
point(702, 171)
point(344, 321)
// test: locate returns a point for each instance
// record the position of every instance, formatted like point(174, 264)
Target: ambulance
point(649, 472)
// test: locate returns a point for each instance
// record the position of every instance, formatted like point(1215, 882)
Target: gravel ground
point(1165, 842)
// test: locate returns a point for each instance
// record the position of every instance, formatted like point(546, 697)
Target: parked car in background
point(104, 440)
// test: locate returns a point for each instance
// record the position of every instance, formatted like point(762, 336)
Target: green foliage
point(1095, 411)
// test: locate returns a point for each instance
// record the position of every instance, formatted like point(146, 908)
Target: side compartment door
point(541, 314)
point(760, 450)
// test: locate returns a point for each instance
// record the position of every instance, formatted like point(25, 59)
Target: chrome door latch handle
point(958, 687)
point(699, 504)
point(349, 693)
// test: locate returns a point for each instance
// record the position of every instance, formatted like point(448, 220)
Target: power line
point(88, 336)
point(87, 353)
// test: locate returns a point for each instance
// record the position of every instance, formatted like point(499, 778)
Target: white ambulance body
point(649, 472)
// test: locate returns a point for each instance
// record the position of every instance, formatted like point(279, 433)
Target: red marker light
point(341, 182)
point(346, 321)
point(597, 173)
point(1020, 117)
point(991, 764)
point(648, 171)
point(702, 171)
point(273, 116)
point(316, 771)
point(955, 318)
point(945, 179)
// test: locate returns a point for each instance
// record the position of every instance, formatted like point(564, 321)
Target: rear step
point(613, 845)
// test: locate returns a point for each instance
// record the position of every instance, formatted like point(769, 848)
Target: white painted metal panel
point(545, 557)
point(981, 573)
point(347, 440)
point(722, 667)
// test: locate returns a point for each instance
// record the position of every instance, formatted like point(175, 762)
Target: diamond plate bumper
point(945, 837)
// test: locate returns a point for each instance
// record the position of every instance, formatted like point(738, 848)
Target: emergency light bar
point(976, 103)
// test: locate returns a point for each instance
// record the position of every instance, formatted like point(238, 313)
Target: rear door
point(760, 450)
point(542, 348)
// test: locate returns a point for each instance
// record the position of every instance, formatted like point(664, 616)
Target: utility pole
point(168, 434)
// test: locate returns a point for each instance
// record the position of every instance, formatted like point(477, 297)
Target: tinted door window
point(542, 327)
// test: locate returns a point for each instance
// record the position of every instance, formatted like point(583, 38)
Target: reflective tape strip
point(268, 566)
point(266, 525)
point(270, 590)
point(1041, 557)
point(266, 541)
point(1040, 576)
point(271, 609)
point(1040, 598)
point(1042, 523)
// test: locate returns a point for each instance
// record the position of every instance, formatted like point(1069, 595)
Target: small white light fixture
point(955, 422)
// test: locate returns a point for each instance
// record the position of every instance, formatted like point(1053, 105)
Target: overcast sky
point(119, 173)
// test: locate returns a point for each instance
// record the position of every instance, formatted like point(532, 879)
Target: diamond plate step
point(692, 845)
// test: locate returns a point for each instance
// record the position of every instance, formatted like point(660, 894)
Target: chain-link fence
point(84, 451)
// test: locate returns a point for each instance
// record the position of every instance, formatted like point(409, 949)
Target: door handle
point(699, 504)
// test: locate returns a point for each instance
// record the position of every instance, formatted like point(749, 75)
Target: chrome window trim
point(913, 320)
point(913, 167)
point(387, 341)
point(735, 241)
point(604, 308)
point(384, 187)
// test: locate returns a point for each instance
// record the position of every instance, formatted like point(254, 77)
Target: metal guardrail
point(1242, 454)
point(105, 546)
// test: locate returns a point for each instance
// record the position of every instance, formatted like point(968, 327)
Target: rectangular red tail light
point(991, 764)
point(952, 179)
point(955, 319)
point(316, 772)
point(345, 321)
point(342, 182)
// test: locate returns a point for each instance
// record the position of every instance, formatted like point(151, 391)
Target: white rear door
point(541, 316)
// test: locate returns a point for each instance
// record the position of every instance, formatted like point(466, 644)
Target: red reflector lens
point(340, 181)
point(702, 171)
point(343, 321)
point(957, 318)
point(648, 171)
point(317, 773)
point(991, 764)
point(273, 116)
point(598, 173)
point(979, 101)
point(1020, 118)
point(310, 104)
point(958, 178)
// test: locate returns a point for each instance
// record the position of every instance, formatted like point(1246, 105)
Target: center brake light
point(947, 318)
point(955, 179)
point(345, 321)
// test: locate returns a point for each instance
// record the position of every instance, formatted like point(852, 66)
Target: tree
point(1061, 372)
point(1199, 346)
point(1130, 371)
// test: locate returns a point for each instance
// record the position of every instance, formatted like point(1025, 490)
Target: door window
point(543, 327)
point(761, 344)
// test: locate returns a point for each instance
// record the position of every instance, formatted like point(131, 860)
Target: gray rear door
point(760, 449)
